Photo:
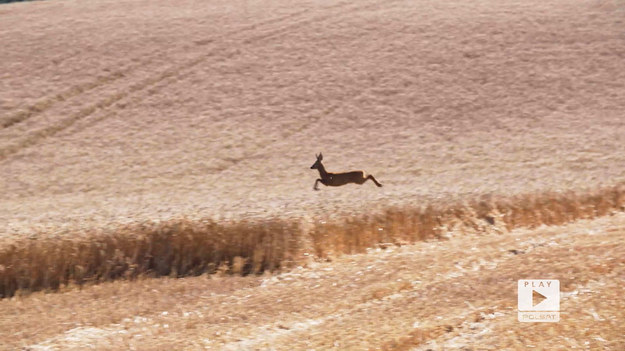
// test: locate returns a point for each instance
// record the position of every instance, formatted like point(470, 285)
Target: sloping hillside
point(116, 111)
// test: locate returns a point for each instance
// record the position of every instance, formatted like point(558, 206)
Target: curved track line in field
point(46, 103)
point(35, 137)
point(74, 91)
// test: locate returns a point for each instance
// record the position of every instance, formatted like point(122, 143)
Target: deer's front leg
point(317, 182)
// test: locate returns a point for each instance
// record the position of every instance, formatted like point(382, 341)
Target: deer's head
point(318, 162)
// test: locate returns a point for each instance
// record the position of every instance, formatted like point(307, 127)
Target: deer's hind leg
point(375, 181)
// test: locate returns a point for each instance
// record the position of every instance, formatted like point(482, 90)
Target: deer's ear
point(320, 157)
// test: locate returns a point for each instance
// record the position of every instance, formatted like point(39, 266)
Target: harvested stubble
point(183, 247)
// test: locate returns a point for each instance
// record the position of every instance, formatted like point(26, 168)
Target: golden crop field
point(156, 189)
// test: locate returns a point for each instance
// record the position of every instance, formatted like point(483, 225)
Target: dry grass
point(186, 247)
point(493, 214)
point(175, 248)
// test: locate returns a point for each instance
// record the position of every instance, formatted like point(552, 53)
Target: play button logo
point(539, 300)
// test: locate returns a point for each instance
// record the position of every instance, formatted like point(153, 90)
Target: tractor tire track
point(46, 103)
point(175, 70)
point(74, 91)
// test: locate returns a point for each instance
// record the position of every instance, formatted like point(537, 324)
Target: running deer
point(338, 179)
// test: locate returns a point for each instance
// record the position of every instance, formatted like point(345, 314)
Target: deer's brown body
point(338, 179)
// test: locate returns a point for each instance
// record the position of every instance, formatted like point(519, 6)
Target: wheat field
point(143, 141)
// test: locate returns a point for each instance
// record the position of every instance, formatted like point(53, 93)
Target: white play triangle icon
point(537, 298)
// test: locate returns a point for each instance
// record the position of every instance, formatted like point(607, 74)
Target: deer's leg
point(375, 181)
point(316, 182)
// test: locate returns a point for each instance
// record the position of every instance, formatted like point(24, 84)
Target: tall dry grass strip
point(183, 247)
point(407, 224)
point(175, 248)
